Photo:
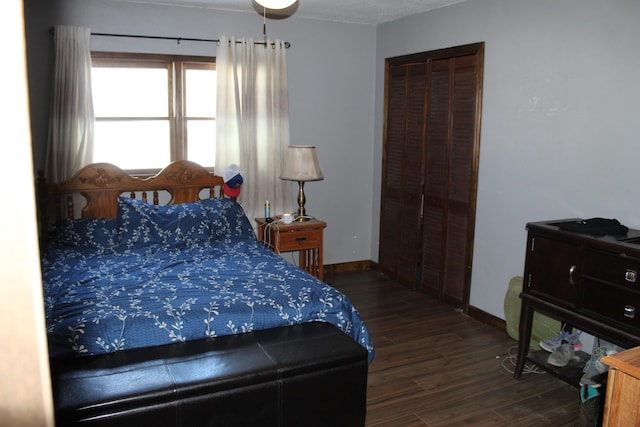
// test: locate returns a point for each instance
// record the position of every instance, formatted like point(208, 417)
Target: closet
point(430, 167)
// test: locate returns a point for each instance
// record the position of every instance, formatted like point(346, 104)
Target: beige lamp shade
point(275, 4)
point(301, 164)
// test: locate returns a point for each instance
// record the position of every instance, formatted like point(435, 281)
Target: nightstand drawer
point(302, 237)
point(299, 240)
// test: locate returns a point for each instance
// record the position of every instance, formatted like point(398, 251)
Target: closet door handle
point(571, 271)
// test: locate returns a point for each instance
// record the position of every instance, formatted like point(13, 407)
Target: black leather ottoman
point(304, 375)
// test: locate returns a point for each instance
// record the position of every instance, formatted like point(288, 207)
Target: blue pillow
point(227, 219)
point(100, 233)
point(142, 224)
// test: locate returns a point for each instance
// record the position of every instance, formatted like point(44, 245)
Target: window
point(153, 109)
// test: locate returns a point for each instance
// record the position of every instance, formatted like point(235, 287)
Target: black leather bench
point(304, 375)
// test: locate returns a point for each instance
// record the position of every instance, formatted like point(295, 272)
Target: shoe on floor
point(594, 370)
point(553, 343)
point(562, 355)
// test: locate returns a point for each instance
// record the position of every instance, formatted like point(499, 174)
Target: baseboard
point(345, 267)
point(487, 318)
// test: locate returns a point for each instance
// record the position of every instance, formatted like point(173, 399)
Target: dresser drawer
point(299, 240)
point(612, 304)
point(619, 269)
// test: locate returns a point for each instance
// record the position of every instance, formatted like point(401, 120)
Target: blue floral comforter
point(112, 285)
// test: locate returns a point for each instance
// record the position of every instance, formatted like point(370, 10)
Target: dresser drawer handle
point(571, 270)
point(301, 240)
point(630, 276)
point(629, 311)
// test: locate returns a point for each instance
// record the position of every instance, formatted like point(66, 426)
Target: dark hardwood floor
point(435, 366)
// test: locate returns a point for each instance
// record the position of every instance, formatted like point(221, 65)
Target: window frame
point(176, 65)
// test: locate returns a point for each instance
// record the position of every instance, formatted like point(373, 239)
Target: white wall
point(331, 69)
point(25, 385)
point(559, 120)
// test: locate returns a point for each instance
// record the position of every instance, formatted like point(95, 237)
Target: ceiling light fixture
point(275, 4)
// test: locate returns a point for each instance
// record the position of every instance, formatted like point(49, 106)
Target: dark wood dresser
point(589, 282)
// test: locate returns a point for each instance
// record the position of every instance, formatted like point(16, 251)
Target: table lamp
point(301, 164)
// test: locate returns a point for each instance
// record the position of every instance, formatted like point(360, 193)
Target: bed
point(162, 308)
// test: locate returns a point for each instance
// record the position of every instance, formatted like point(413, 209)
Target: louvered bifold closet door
point(402, 172)
point(450, 184)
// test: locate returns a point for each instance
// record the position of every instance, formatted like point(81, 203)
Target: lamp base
point(302, 215)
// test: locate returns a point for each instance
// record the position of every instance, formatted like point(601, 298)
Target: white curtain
point(71, 121)
point(252, 121)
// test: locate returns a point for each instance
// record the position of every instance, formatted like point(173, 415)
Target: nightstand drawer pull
point(301, 240)
point(630, 276)
point(629, 311)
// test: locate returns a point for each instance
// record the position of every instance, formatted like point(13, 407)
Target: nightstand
point(304, 237)
point(623, 389)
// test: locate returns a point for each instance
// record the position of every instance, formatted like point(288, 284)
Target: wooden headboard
point(102, 183)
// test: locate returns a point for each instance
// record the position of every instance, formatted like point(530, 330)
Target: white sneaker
point(562, 355)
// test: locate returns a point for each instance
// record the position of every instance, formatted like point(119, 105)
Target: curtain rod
point(177, 39)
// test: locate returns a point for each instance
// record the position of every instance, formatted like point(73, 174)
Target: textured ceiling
point(355, 11)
